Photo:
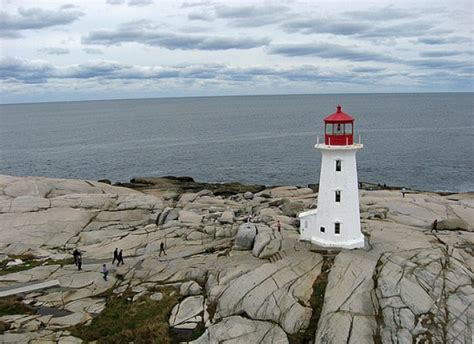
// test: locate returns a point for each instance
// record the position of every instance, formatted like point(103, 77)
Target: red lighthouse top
point(339, 129)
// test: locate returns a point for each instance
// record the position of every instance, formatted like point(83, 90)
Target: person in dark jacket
point(162, 249)
point(434, 226)
point(76, 254)
point(120, 258)
point(105, 271)
point(116, 257)
point(79, 263)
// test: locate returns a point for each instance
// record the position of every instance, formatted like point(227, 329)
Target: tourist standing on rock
point(105, 271)
point(279, 226)
point(79, 263)
point(120, 258)
point(76, 254)
point(434, 226)
point(249, 220)
point(162, 249)
point(404, 191)
point(116, 257)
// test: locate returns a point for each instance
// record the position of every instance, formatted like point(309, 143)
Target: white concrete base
point(356, 243)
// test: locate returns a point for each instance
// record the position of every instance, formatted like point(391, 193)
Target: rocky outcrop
point(237, 281)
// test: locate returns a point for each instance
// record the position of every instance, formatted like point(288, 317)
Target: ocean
point(422, 141)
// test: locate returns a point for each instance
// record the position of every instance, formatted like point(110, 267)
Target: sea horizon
point(230, 95)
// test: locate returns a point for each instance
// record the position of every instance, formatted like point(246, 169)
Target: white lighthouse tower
point(336, 221)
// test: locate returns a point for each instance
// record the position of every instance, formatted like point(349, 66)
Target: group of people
point(118, 256)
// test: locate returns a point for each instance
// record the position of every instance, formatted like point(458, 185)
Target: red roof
point(339, 117)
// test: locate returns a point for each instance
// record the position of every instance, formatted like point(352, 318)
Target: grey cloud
point(93, 51)
point(24, 71)
point(35, 18)
point(196, 4)
point(145, 34)
point(381, 14)
point(243, 16)
point(439, 53)
point(359, 29)
point(367, 69)
point(201, 16)
point(130, 2)
point(329, 51)
point(442, 64)
point(443, 40)
point(54, 51)
point(313, 25)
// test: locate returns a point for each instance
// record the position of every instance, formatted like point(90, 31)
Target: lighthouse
point(336, 221)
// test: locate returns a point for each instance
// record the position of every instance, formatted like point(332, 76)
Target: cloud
point(243, 16)
point(326, 50)
point(382, 14)
point(54, 51)
point(93, 51)
point(36, 18)
point(367, 69)
point(130, 2)
point(30, 71)
point(144, 32)
point(370, 30)
point(444, 40)
point(439, 53)
point(315, 25)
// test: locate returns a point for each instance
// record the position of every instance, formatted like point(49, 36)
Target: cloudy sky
point(107, 49)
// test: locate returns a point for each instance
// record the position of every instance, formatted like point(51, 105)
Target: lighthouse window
point(322, 229)
point(338, 165)
point(338, 196)
point(337, 228)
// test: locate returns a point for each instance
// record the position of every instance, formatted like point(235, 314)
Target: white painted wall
point(346, 212)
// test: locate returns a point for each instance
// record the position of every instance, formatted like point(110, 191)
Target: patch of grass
point(29, 262)
point(4, 327)
point(143, 321)
point(13, 305)
point(317, 303)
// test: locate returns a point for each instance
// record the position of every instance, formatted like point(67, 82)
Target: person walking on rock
point(120, 258)
point(404, 191)
point(105, 272)
point(162, 249)
point(76, 254)
point(434, 226)
point(116, 257)
point(79, 263)
point(279, 226)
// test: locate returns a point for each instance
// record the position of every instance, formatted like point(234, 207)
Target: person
point(105, 271)
point(249, 220)
point(120, 258)
point(279, 226)
point(76, 254)
point(162, 249)
point(116, 257)
point(79, 263)
point(434, 226)
point(404, 191)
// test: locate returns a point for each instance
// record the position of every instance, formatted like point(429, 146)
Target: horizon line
point(227, 96)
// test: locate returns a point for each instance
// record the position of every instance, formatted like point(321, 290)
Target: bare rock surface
point(409, 285)
point(236, 329)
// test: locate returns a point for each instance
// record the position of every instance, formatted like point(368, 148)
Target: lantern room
point(339, 129)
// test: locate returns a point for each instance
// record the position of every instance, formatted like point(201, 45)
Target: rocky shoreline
point(223, 280)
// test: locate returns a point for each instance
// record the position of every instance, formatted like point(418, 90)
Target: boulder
point(227, 217)
point(189, 217)
point(248, 195)
point(190, 288)
point(188, 313)
point(267, 243)
point(292, 209)
point(453, 224)
point(245, 237)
